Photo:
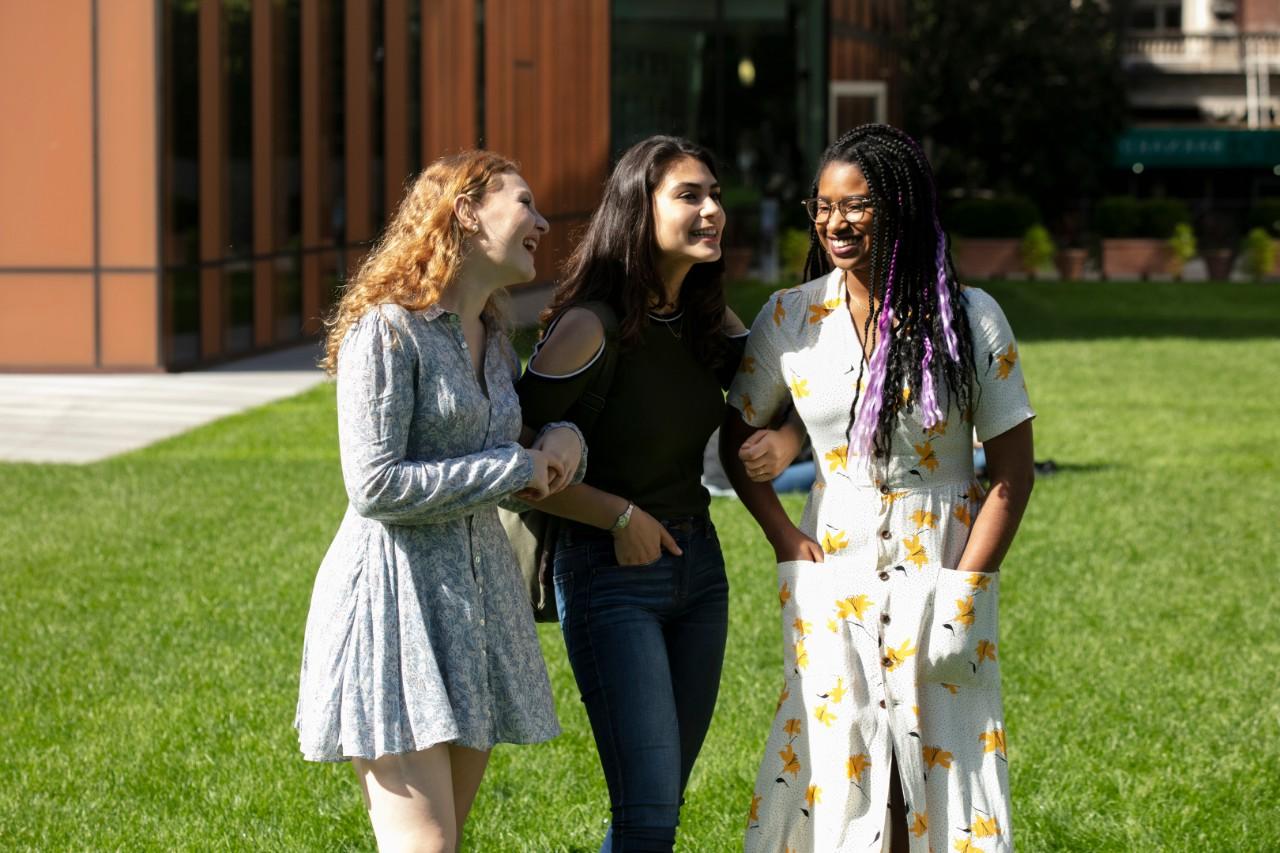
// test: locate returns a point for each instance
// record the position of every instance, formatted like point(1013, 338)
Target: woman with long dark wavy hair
point(889, 732)
point(639, 576)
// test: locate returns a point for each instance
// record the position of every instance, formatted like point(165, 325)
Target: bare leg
point(467, 766)
point(410, 800)
point(899, 841)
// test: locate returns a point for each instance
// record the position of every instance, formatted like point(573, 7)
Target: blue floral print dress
point(420, 630)
point(888, 651)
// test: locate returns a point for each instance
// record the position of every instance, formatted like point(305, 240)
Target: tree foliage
point(1016, 96)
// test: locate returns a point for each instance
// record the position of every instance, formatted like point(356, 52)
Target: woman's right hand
point(794, 545)
point(545, 469)
point(642, 540)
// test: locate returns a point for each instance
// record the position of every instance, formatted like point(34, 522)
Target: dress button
point(884, 618)
point(884, 534)
point(881, 703)
point(884, 490)
point(887, 661)
point(884, 576)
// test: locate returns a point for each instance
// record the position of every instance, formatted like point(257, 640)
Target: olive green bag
point(533, 533)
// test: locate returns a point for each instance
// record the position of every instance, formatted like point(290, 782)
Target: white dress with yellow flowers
point(887, 650)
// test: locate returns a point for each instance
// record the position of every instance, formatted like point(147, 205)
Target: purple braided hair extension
point(944, 294)
point(864, 422)
point(930, 414)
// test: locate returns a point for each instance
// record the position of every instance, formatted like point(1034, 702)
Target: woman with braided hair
point(889, 731)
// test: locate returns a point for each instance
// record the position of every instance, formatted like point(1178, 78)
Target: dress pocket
point(960, 646)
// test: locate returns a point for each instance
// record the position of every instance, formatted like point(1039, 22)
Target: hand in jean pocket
point(961, 637)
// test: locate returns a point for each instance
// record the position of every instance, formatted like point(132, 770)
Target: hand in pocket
point(963, 630)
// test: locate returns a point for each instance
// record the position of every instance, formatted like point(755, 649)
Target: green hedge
point(991, 218)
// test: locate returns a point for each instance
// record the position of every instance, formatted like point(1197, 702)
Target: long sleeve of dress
point(377, 373)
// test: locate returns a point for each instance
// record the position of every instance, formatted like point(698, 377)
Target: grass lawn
point(152, 607)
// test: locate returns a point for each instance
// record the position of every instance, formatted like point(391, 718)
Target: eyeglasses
point(852, 208)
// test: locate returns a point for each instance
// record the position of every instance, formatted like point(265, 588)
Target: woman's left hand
point(563, 446)
point(767, 453)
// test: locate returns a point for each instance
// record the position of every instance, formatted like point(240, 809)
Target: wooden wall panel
point(264, 162)
point(130, 304)
point(359, 123)
point(861, 45)
point(548, 107)
point(47, 325)
point(314, 145)
point(396, 102)
point(213, 176)
point(449, 81)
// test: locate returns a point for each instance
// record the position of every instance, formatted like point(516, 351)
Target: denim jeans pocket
point(961, 635)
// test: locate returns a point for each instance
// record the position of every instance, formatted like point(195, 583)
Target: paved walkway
point(87, 417)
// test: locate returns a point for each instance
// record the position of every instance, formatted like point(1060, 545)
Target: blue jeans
point(646, 644)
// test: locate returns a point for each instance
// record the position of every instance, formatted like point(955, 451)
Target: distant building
point(1204, 94)
point(188, 181)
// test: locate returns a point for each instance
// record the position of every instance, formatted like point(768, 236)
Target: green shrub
point(1265, 214)
point(1125, 216)
point(1001, 217)
point(1259, 253)
point(1183, 246)
point(793, 249)
point(1037, 249)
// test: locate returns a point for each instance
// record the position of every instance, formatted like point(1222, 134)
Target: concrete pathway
point(81, 418)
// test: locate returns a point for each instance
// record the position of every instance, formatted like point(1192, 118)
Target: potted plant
point(1070, 258)
point(988, 234)
point(1218, 233)
point(1135, 234)
point(1182, 248)
point(1037, 250)
point(1265, 214)
point(1259, 254)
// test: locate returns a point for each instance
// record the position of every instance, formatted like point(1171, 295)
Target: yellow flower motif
point(964, 611)
point(824, 715)
point(937, 430)
point(906, 394)
point(924, 519)
point(802, 626)
point(928, 458)
point(964, 845)
point(802, 655)
point(915, 709)
point(818, 313)
point(856, 765)
point(962, 515)
point(899, 655)
point(985, 827)
point(993, 741)
point(784, 594)
point(748, 364)
point(835, 694)
point(1007, 360)
point(936, 756)
point(754, 815)
point(854, 605)
point(953, 689)
point(920, 825)
point(986, 650)
point(782, 697)
point(837, 457)
point(915, 551)
point(979, 580)
point(800, 388)
point(831, 543)
point(748, 410)
point(889, 498)
point(832, 626)
point(779, 313)
point(792, 726)
point(790, 762)
point(813, 795)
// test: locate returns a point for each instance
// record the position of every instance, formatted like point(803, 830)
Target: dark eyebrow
point(695, 186)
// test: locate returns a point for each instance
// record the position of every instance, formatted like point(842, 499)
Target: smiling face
point(848, 245)
point(687, 217)
point(510, 227)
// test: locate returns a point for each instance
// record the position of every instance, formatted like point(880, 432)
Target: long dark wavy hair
point(616, 261)
point(918, 326)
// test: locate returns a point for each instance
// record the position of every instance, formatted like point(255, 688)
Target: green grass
point(152, 606)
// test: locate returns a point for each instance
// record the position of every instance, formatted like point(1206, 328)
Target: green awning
point(1175, 147)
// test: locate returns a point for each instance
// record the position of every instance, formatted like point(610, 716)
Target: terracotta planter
point(1219, 263)
point(737, 261)
point(1135, 257)
point(1070, 263)
point(978, 259)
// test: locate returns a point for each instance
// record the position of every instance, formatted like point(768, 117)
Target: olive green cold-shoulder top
point(661, 408)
